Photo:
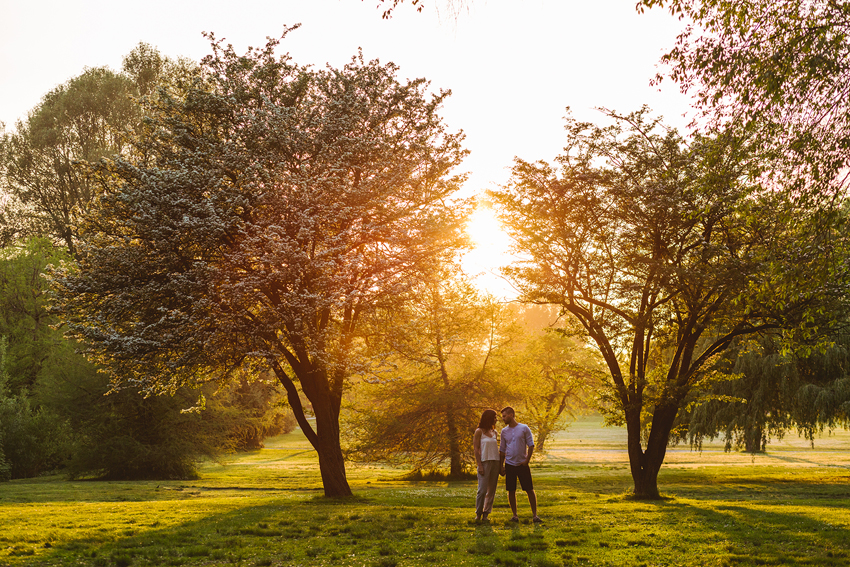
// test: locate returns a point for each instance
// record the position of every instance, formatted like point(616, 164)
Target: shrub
point(31, 441)
point(5, 468)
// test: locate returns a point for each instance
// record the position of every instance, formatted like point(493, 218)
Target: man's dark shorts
point(512, 472)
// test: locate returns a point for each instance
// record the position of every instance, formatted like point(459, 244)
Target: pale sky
point(513, 65)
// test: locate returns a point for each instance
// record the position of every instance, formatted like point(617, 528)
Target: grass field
point(788, 507)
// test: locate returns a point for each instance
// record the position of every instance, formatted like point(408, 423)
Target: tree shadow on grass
point(699, 484)
point(215, 537)
point(306, 531)
point(751, 534)
point(57, 489)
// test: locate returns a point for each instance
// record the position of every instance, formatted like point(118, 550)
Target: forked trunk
point(645, 465)
point(325, 439)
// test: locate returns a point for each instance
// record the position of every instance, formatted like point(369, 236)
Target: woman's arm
point(476, 445)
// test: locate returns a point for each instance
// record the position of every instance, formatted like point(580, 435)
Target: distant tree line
point(58, 410)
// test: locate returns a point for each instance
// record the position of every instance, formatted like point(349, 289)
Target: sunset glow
point(491, 252)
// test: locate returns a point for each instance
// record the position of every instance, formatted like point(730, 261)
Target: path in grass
point(789, 507)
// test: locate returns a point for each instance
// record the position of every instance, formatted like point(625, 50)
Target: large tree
point(664, 251)
point(269, 211)
point(34, 439)
point(781, 68)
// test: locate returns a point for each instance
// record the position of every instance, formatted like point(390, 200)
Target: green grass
point(789, 507)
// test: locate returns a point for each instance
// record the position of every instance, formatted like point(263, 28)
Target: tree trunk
point(646, 464)
point(754, 441)
point(644, 469)
point(326, 437)
point(542, 434)
point(455, 464)
point(646, 484)
point(331, 461)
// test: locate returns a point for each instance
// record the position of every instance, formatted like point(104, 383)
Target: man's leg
point(528, 486)
point(532, 501)
point(510, 486)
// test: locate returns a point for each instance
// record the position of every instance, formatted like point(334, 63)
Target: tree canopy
point(263, 215)
point(46, 186)
point(782, 68)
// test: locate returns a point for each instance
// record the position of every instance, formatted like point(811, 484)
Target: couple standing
point(509, 457)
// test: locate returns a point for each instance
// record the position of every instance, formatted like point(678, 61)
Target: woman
point(486, 444)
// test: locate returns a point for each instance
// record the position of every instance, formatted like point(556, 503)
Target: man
point(515, 452)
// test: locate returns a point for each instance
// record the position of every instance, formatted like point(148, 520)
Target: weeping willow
point(766, 393)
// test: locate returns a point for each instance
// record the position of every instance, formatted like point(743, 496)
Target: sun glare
point(491, 251)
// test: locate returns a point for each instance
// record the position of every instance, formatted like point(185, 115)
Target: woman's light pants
point(487, 487)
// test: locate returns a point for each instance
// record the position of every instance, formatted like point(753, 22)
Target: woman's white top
point(489, 447)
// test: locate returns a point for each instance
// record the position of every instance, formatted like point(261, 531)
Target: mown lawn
point(789, 507)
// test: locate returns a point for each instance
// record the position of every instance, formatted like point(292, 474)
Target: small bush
point(32, 441)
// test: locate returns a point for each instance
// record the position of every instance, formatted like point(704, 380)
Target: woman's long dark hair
point(488, 420)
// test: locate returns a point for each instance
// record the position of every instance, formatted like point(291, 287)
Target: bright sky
point(513, 65)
